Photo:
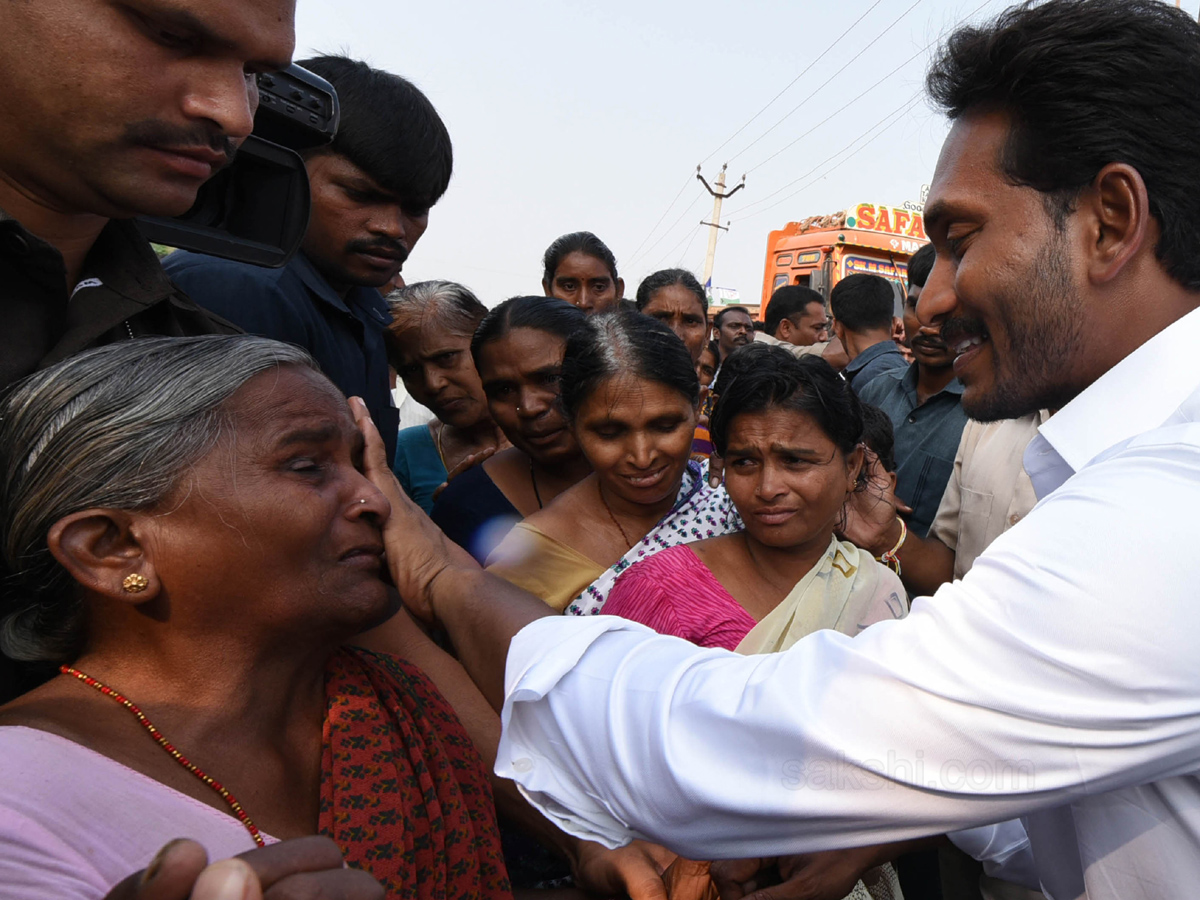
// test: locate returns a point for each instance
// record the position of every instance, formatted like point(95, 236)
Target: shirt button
point(523, 765)
point(1014, 519)
point(912, 418)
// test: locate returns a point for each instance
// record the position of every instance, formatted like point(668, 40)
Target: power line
point(902, 108)
point(823, 84)
point(690, 236)
point(670, 228)
point(688, 248)
point(660, 218)
point(832, 168)
point(826, 51)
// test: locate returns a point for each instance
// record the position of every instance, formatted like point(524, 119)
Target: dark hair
point(727, 310)
point(920, 265)
point(766, 377)
point(879, 435)
point(624, 343)
point(577, 242)
point(788, 301)
point(863, 303)
point(656, 281)
point(548, 314)
point(390, 130)
point(1082, 81)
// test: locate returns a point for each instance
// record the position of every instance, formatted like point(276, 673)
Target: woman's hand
point(870, 514)
point(635, 869)
point(828, 875)
point(417, 550)
point(299, 869)
point(471, 461)
point(688, 879)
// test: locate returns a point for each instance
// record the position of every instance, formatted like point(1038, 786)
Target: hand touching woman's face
point(276, 529)
point(637, 435)
point(787, 479)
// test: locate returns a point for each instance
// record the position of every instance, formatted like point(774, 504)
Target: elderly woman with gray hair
point(429, 346)
point(188, 532)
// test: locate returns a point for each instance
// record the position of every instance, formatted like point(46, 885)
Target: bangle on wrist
point(891, 558)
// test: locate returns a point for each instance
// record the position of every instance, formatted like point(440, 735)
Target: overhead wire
point(669, 230)
point(900, 110)
point(832, 168)
point(688, 248)
point(690, 236)
point(859, 96)
point(670, 206)
point(823, 84)
point(788, 86)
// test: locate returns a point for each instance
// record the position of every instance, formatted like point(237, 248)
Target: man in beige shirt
point(988, 492)
point(798, 322)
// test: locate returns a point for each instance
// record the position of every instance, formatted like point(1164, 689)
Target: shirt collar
point(368, 299)
point(1136, 395)
point(953, 386)
point(871, 353)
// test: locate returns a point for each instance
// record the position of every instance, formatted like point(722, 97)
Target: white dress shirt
point(1059, 681)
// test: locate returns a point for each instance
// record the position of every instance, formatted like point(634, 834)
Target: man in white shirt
point(1058, 681)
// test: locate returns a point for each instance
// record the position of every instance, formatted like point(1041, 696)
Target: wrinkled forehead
point(272, 403)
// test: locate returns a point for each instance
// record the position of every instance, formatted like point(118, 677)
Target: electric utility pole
point(718, 196)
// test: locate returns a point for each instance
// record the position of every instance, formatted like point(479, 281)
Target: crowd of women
point(195, 538)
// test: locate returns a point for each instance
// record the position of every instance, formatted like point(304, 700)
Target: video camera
point(255, 210)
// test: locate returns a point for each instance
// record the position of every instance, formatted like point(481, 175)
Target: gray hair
point(446, 303)
point(113, 427)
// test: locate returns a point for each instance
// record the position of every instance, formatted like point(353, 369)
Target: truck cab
point(820, 251)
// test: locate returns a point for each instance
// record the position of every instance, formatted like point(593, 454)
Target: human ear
point(620, 288)
point(855, 461)
point(546, 287)
point(101, 548)
point(1117, 216)
point(785, 328)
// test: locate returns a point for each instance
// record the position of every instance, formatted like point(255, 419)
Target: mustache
point(933, 343)
point(960, 328)
point(155, 133)
point(388, 248)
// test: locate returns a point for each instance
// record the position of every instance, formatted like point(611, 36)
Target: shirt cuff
point(1003, 849)
point(530, 673)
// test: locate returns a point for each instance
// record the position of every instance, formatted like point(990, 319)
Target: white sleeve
point(1003, 849)
point(1062, 665)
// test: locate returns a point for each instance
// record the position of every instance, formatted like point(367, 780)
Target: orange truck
point(820, 251)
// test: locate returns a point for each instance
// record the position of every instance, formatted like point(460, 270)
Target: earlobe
point(1120, 212)
point(102, 551)
point(856, 468)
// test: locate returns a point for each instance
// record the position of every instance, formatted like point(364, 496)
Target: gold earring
point(135, 583)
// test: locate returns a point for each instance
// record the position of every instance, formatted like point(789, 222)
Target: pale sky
point(569, 116)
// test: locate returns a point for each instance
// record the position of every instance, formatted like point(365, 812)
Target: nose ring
point(362, 501)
